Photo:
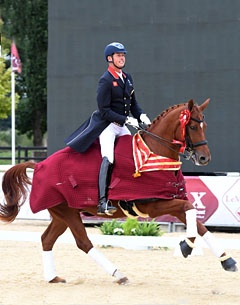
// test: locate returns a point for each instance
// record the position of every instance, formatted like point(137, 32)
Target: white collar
point(120, 74)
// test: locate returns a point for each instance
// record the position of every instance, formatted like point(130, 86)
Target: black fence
point(24, 153)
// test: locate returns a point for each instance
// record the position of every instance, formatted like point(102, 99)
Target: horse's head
point(180, 128)
point(196, 143)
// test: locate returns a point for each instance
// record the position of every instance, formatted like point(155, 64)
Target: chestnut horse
point(179, 128)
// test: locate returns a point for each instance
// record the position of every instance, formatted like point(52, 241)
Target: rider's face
point(119, 60)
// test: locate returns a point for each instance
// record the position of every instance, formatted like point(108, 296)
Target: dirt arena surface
point(157, 277)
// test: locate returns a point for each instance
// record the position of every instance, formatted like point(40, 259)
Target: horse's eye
point(193, 127)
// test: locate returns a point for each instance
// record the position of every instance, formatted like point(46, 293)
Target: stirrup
point(104, 208)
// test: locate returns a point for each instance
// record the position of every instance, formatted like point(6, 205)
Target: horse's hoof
point(185, 248)
point(123, 281)
point(57, 279)
point(229, 265)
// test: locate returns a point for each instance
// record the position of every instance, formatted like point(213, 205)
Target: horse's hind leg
point(79, 232)
point(51, 234)
point(72, 219)
point(56, 228)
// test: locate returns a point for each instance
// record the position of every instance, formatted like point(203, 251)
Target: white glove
point(132, 121)
point(144, 118)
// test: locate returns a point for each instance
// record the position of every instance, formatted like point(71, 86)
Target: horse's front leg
point(228, 263)
point(187, 245)
point(188, 215)
point(184, 211)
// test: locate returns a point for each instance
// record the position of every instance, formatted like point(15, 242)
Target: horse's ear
point(205, 104)
point(190, 105)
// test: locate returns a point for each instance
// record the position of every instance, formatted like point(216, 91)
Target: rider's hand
point(144, 118)
point(132, 121)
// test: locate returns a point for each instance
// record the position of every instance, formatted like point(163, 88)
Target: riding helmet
point(114, 47)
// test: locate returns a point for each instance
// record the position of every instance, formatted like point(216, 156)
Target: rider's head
point(115, 48)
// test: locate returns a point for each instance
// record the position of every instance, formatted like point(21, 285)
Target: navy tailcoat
point(116, 100)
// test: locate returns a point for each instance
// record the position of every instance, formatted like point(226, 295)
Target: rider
point(115, 99)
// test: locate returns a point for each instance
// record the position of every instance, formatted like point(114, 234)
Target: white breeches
point(107, 139)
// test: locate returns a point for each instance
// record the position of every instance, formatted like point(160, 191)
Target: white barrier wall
point(216, 198)
point(220, 199)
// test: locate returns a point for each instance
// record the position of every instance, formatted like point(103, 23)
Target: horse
point(177, 131)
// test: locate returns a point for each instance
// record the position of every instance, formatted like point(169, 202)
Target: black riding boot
point(103, 183)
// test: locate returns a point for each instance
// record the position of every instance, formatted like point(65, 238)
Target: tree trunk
point(37, 132)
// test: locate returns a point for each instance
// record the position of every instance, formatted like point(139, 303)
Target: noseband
point(187, 144)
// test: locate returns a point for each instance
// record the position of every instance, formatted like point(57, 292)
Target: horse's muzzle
point(201, 159)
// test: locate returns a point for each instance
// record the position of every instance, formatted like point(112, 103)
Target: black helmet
point(114, 47)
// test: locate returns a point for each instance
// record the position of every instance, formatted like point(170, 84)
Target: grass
point(131, 227)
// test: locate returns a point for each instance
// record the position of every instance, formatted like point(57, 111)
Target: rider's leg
point(107, 139)
point(103, 183)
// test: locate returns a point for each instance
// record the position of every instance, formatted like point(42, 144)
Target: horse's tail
point(15, 188)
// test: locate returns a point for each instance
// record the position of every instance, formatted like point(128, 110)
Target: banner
point(15, 59)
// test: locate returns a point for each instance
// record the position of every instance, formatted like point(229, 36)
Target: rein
point(185, 144)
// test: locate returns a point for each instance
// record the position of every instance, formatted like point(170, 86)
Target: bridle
point(188, 139)
point(187, 146)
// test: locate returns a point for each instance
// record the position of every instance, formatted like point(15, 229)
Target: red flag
point(15, 59)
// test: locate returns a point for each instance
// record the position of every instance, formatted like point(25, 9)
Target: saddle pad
point(73, 177)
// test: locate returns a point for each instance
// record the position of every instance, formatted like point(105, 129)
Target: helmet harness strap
point(112, 61)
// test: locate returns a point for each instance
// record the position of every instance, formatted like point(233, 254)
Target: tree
point(5, 81)
point(26, 21)
point(5, 90)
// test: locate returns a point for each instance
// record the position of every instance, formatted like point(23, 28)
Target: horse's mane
point(167, 111)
